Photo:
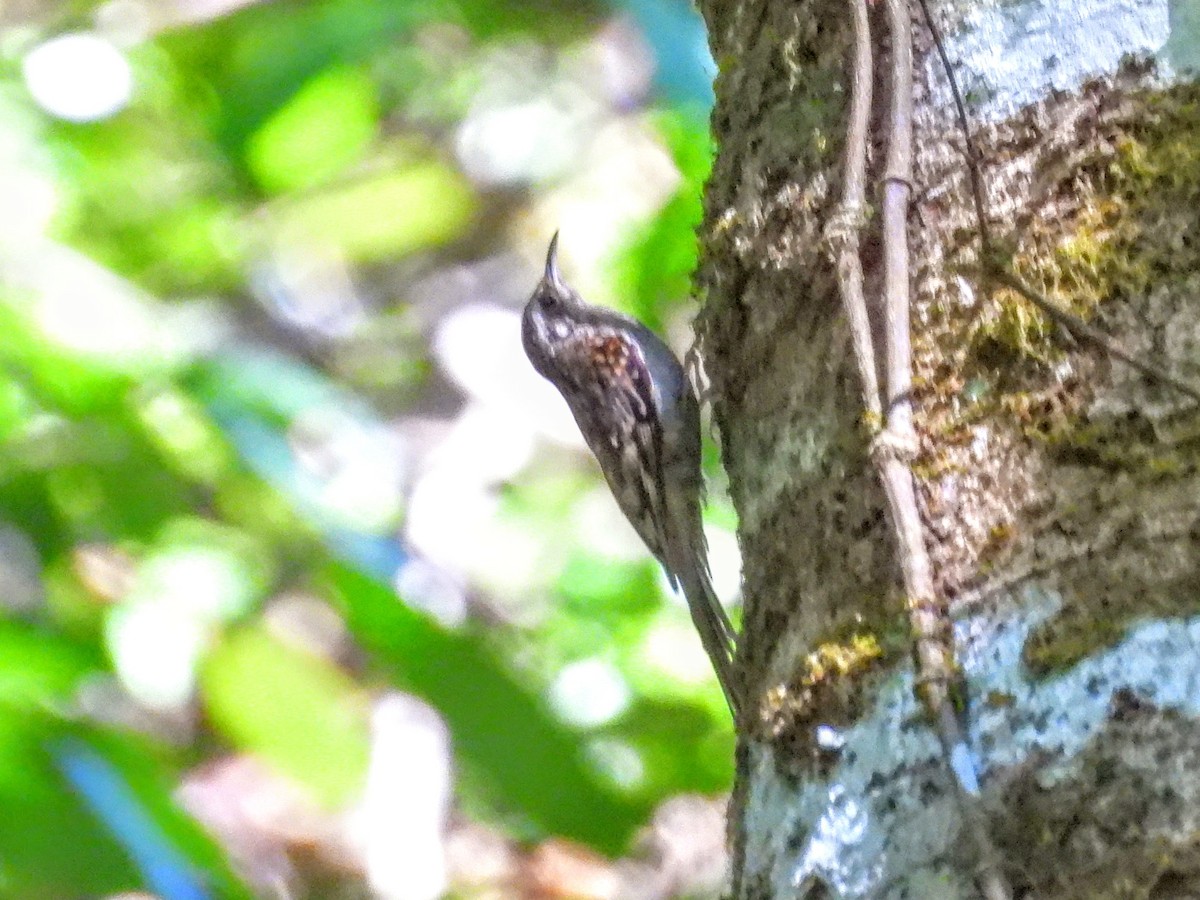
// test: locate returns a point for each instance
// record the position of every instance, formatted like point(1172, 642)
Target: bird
point(639, 416)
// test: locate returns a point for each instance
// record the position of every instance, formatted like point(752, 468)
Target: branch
point(896, 445)
point(1082, 330)
point(974, 173)
point(893, 450)
point(842, 242)
point(897, 187)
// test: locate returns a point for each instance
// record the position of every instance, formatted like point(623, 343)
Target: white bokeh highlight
point(589, 693)
point(79, 77)
point(400, 822)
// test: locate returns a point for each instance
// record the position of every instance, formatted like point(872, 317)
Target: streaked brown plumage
point(638, 414)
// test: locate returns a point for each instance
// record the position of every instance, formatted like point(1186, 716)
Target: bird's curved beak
point(553, 277)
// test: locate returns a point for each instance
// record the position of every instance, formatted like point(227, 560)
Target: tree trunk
point(1057, 486)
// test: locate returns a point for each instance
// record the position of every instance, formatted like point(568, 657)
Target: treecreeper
point(638, 413)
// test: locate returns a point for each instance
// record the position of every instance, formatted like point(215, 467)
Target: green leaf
point(40, 670)
point(56, 375)
point(50, 844)
point(291, 708)
point(16, 407)
point(41, 817)
point(326, 126)
point(383, 216)
point(181, 429)
point(253, 61)
point(609, 589)
point(679, 747)
point(118, 487)
point(525, 760)
point(53, 841)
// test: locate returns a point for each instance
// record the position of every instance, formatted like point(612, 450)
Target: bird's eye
point(549, 301)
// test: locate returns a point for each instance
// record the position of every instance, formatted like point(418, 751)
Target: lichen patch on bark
point(1052, 462)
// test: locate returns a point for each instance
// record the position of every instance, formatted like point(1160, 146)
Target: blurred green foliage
point(151, 503)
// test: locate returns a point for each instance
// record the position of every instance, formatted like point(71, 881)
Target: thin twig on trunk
point(1081, 330)
point(893, 451)
point(842, 234)
point(897, 188)
point(974, 172)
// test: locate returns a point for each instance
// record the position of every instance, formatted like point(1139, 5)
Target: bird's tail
point(716, 631)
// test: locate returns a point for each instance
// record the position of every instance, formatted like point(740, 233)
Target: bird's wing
point(617, 414)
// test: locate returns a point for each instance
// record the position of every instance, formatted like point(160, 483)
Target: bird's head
point(551, 314)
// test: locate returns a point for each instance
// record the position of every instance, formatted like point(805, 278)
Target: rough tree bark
point(1058, 487)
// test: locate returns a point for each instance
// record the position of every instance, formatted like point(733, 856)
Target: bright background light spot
point(400, 820)
point(479, 348)
point(672, 647)
point(725, 559)
point(206, 583)
point(589, 693)
point(154, 649)
point(621, 763)
point(78, 77)
point(602, 527)
point(354, 467)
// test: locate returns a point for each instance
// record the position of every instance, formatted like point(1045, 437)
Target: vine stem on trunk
point(895, 446)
